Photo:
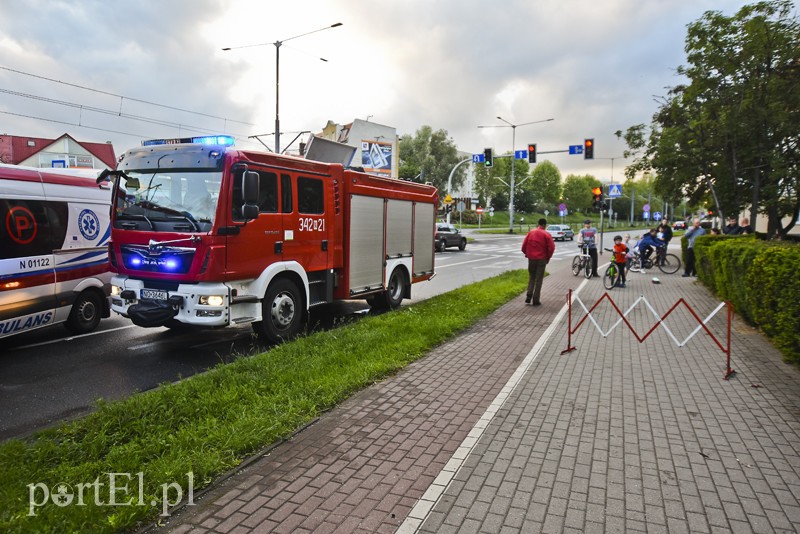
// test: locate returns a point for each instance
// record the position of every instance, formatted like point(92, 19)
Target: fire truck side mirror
point(250, 194)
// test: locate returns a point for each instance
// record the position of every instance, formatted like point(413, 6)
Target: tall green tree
point(430, 156)
point(545, 187)
point(577, 193)
point(730, 135)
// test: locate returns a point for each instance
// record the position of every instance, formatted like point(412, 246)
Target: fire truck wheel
point(393, 296)
point(282, 312)
point(85, 314)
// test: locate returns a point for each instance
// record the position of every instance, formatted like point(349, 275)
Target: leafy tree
point(729, 136)
point(577, 193)
point(429, 156)
point(544, 186)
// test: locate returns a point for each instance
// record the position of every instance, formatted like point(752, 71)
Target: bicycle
point(668, 263)
point(582, 262)
point(612, 274)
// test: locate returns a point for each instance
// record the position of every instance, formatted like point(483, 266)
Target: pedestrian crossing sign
point(614, 190)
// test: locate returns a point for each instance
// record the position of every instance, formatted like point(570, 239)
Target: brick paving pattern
point(614, 436)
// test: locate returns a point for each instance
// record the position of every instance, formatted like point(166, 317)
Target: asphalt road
point(47, 376)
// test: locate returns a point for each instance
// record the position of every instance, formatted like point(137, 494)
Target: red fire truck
point(204, 234)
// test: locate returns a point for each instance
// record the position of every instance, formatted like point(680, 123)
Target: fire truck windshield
point(169, 194)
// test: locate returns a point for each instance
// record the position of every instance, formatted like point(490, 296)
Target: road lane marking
point(465, 262)
point(70, 338)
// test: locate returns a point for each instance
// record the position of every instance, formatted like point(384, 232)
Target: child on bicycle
point(620, 258)
point(648, 244)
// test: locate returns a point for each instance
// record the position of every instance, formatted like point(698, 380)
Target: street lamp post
point(513, 148)
point(277, 76)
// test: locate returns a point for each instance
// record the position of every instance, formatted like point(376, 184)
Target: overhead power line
point(114, 113)
point(121, 96)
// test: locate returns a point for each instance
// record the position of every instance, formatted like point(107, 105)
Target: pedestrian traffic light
point(597, 194)
point(588, 149)
point(487, 157)
point(532, 153)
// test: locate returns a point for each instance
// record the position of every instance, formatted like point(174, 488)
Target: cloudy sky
point(123, 71)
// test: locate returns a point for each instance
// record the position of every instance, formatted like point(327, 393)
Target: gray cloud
point(593, 66)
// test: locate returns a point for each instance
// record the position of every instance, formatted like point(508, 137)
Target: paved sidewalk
point(613, 436)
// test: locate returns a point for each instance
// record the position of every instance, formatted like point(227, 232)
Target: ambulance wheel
point(85, 314)
point(282, 312)
point(395, 290)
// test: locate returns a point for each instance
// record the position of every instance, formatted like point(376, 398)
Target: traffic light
point(532, 153)
point(487, 157)
point(588, 149)
point(597, 194)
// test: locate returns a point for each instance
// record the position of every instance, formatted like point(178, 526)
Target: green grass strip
point(208, 423)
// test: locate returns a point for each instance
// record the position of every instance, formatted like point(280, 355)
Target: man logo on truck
point(21, 225)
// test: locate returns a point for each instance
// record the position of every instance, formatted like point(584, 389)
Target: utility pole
point(513, 146)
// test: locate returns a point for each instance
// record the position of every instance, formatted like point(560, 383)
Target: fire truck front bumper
point(191, 304)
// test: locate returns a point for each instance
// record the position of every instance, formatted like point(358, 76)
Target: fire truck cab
point(207, 235)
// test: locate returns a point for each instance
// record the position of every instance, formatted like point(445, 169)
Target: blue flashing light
point(136, 262)
point(223, 140)
point(171, 264)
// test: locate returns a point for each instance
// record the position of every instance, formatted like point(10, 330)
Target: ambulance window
point(310, 196)
point(267, 192)
point(286, 194)
point(32, 227)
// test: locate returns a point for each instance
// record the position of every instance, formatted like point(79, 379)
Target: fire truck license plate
point(154, 294)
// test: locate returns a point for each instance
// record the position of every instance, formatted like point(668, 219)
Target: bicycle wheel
point(587, 268)
point(636, 265)
point(610, 277)
point(576, 265)
point(670, 263)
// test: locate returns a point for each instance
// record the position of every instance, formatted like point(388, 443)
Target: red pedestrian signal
point(532, 153)
point(597, 194)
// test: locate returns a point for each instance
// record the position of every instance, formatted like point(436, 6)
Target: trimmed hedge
point(760, 279)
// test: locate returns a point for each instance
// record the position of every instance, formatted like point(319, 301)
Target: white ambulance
point(54, 233)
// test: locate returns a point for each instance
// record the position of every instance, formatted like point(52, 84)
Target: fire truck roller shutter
point(366, 243)
point(424, 223)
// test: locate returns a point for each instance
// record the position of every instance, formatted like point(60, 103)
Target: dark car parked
point(448, 235)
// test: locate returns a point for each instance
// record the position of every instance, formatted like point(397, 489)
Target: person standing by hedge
point(538, 246)
point(690, 235)
point(732, 228)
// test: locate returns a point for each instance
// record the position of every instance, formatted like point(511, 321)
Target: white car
point(560, 232)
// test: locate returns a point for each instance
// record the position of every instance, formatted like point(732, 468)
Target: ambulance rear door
point(30, 227)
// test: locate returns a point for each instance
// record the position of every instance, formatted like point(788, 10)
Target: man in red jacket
point(538, 247)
